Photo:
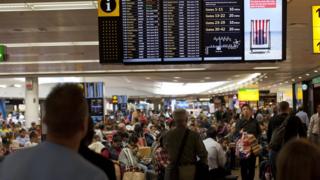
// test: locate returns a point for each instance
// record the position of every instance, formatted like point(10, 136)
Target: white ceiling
point(19, 28)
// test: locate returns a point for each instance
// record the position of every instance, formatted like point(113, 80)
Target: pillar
point(32, 101)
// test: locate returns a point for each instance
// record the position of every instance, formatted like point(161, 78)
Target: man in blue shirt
point(67, 120)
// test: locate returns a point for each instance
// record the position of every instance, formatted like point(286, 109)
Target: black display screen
point(223, 35)
point(194, 31)
point(181, 30)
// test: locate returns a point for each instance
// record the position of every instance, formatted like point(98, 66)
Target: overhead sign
point(188, 31)
point(109, 8)
point(316, 80)
point(2, 53)
point(114, 99)
point(316, 28)
point(248, 94)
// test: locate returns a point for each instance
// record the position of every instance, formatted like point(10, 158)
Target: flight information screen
point(141, 30)
point(181, 30)
point(223, 33)
point(191, 31)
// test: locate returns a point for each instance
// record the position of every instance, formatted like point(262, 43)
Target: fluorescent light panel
point(50, 62)
point(52, 44)
point(265, 68)
point(48, 6)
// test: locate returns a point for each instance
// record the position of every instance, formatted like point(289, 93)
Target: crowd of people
point(161, 145)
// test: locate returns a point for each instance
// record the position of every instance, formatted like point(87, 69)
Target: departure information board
point(223, 33)
point(191, 31)
point(181, 30)
point(141, 30)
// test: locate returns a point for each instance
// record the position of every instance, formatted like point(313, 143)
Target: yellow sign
point(316, 28)
point(114, 99)
point(248, 94)
point(108, 8)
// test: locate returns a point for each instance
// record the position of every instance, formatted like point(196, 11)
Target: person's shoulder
point(90, 169)
point(314, 116)
point(20, 157)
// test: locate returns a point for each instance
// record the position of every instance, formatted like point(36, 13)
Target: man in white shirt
point(57, 158)
point(216, 155)
point(314, 127)
point(303, 117)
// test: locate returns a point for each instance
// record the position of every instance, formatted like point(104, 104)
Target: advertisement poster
point(263, 29)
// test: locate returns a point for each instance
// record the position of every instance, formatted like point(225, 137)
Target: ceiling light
point(3, 86)
point(286, 82)
point(316, 71)
point(148, 78)
point(300, 77)
point(265, 68)
point(20, 79)
point(209, 91)
point(48, 6)
point(52, 80)
point(266, 77)
point(49, 62)
point(17, 85)
point(177, 77)
point(207, 78)
point(185, 88)
point(307, 74)
point(237, 76)
point(52, 44)
point(293, 80)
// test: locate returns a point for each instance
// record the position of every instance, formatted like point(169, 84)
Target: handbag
point(132, 173)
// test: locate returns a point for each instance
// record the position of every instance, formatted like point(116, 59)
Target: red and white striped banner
point(260, 31)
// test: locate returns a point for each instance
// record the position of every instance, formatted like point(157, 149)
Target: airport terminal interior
point(245, 75)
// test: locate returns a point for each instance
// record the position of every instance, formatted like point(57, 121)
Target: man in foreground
point(67, 120)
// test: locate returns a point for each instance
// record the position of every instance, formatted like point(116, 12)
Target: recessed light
point(293, 80)
point(237, 76)
point(17, 85)
point(177, 77)
point(148, 78)
point(3, 86)
point(209, 91)
point(207, 78)
point(286, 82)
point(316, 71)
point(300, 77)
point(265, 68)
point(307, 74)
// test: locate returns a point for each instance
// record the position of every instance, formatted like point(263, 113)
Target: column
point(32, 101)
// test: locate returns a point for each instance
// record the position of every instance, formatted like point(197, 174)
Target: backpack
point(277, 138)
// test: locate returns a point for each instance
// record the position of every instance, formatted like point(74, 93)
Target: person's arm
point(301, 130)
point(269, 131)
point(307, 120)
point(222, 159)
point(201, 150)
point(258, 129)
point(310, 126)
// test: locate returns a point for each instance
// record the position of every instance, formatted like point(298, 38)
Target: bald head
point(180, 117)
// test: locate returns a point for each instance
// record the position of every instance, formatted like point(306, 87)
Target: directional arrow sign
point(316, 28)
